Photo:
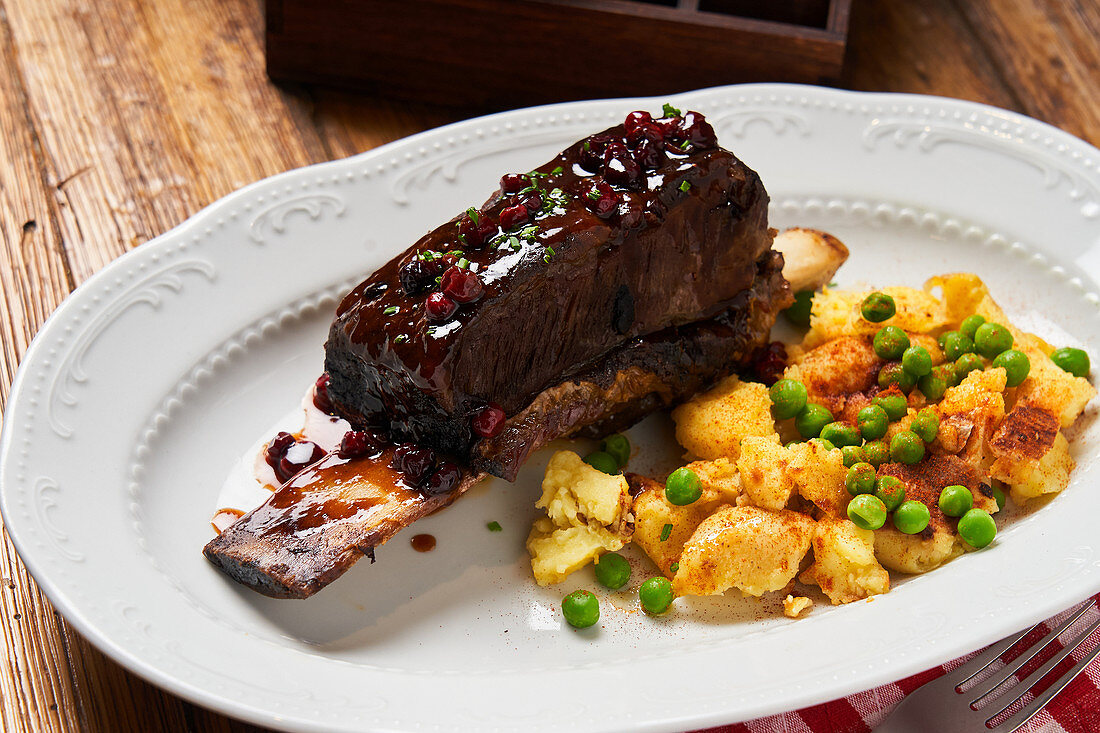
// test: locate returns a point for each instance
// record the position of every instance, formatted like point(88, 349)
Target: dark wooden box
point(496, 54)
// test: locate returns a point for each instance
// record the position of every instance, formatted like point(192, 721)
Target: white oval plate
point(147, 384)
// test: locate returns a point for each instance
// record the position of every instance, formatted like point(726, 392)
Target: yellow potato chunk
point(653, 512)
point(558, 551)
point(586, 516)
point(1029, 479)
point(574, 493)
point(720, 476)
point(913, 553)
point(836, 313)
point(818, 475)
point(793, 606)
point(844, 564)
point(712, 424)
point(764, 466)
point(751, 549)
point(970, 413)
point(1049, 387)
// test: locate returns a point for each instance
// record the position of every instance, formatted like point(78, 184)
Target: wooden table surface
point(119, 119)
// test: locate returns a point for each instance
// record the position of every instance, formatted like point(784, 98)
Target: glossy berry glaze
point(414, 350)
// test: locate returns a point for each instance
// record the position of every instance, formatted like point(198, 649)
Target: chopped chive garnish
point(438, 279)
point(462, 237)
point(529, 189)
point(556, 193)
point(402, 338)
point(528, 231)
point(463, 263)
point(685, 186)
point(494, 526)
point(455, 253)
point(593, 194)
point(587, 145)
point(674, 567)
point(473, 214)
point(431, 330)
point(558, 171)
point(392, 310)
point(685, 144)
point(669, 111)
point(666, 531)
point(513, 243)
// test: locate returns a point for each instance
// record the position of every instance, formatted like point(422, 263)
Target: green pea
point(602, 462)
point(812, 418)
point(788, 398)
point(917, 361)
point(955, 344)
point(683, 487)
point(613, 571)
point(656, 594)
point(890, 343)
point(895, 405)
point(873, 422)
point(965, 364)
point(1069, 359)
point(860, 479)
point(878, 307)
point(792, 444)
point(991, 339)
point(926, 424)
point(1016, 365)
point(906, 447)
point(840, 434)
point(799, 313)
point(826, 444)
point(618, 447)
point(876, 452)
point(894, 373)
point(581, 609)
point(867, 511)
point(932, 386)
point(891, 491)
point(912, 517)
point(956, 500)
point(970, 325)
point(852, 454)
point(977, 528)
point(999, 495)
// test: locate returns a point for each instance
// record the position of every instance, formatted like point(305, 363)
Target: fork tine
point(1024, 714)
point(1015, 692)
point(991, 683)
point(964, 672)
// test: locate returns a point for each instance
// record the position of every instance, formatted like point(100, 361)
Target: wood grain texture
point(120, 119)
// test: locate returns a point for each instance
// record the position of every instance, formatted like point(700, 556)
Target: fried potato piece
point(810, 257)
point(915, 554)
point(751, 549)
point(793, 606)
point(819, 475)
point(938, 543)
point(835, 370)
point(653, 512)
point(721, 476)
point(970, 413)
point(588, 513)
point(1028, 478)
point(836, 313)
point(1050, 388)
point(844, 565)
point(556, 552)
point(764, 466)
point(712, 424)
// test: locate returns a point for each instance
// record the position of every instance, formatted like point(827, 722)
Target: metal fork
point(941, 707)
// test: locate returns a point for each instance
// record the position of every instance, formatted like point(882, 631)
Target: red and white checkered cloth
point(1075, 710)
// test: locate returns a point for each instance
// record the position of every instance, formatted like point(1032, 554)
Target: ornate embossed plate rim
point(1068, 168)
